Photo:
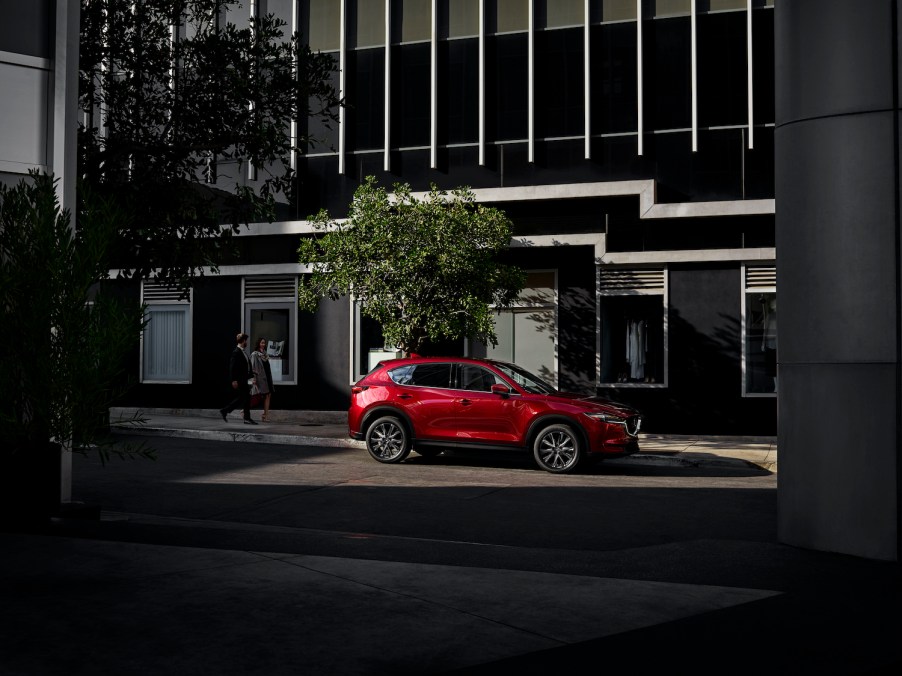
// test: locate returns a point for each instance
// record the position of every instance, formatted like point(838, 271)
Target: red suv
point(437, 403)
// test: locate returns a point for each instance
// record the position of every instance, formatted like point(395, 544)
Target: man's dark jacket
point(239, 367)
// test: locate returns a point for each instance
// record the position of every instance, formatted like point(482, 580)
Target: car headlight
point(607, 417)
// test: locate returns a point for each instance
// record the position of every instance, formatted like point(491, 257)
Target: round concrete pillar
point(838, 275)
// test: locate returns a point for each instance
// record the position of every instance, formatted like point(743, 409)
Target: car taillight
point(357, 389)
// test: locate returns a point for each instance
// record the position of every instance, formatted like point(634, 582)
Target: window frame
point(274, 302)
point(159, 303)
point(664, 293)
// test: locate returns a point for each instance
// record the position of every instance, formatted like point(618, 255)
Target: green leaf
point(426, 269)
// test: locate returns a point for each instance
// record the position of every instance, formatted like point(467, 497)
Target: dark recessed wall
point(704, 392)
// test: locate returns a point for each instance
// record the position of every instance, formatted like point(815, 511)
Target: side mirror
point(503, 390)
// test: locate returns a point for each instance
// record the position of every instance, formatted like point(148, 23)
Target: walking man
point(240, 372)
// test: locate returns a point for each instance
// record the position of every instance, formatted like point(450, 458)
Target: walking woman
point(263, 373)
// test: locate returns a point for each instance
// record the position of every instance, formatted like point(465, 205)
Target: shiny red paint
point(490, 417)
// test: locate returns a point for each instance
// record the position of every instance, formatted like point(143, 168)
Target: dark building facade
point(632, 144)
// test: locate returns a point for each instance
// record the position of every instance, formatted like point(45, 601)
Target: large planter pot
point(30, 485)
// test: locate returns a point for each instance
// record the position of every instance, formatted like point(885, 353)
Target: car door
point(484, 416)
point(426, 396)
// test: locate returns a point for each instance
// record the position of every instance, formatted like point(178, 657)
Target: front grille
point(633, 423)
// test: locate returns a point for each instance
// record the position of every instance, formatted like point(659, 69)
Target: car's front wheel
point(387, 440)
point(557, 449)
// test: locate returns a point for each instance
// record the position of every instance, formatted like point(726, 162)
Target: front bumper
point(614, 439)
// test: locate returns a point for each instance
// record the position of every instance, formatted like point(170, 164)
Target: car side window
point(402, 375)
point(431, 375)
point(476, 378)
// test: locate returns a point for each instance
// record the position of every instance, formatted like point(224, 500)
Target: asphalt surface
point(253, 553)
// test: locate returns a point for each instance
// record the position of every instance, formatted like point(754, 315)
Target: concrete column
point(838, 275)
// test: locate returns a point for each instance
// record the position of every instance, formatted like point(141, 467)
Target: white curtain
point(166, 343)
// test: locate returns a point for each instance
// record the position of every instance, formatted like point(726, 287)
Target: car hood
point(597, 403)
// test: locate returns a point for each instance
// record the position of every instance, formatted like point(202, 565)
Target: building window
point(370, 24)
point(665, 8)
point(366, 99)
point(27, 28)
point(270, 312)
point(617, 10)
point(411, 74)
point(412, 21)
point(722, 69)
point(166, 339)
point(561, 13)
point(507, 85)
point(667, 73)
point(759, 329)
point(614, 78)
point(507, 16)
point(371, 345)
point(559, 83)
point(323, 25)
point(527, 333)
point(459, 18)
point(632, 311)
point(458, 96)
point(721, 5)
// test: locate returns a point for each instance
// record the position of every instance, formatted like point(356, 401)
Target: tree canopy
point(68, 336)
point(426, 269)
point(178, 98)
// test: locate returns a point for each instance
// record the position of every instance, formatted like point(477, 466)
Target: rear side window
point(422, 375)
point(402, 375)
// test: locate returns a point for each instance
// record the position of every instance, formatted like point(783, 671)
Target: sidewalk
point(329, 428)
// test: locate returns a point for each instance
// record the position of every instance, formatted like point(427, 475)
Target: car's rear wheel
point(557, 449)
point(387, 440)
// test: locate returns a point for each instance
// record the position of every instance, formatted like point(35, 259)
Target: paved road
point(236, 558)
point(498, 500)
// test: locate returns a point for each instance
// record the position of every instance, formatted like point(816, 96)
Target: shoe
point(248, 421)
point(223, 414)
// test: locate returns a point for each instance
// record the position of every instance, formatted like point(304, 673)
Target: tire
point(387, 440)
point(557, 449)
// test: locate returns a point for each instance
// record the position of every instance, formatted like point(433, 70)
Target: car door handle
point(404, 396)
point(464, 402)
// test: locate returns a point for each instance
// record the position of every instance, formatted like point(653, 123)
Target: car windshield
point(529, 382)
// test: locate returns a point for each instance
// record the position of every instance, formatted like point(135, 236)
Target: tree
point(425, 269)
point(66, 338)
point(175, 96)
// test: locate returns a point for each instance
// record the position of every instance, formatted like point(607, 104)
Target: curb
point(245, 437)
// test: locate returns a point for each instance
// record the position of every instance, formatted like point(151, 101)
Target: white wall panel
point(23, 109)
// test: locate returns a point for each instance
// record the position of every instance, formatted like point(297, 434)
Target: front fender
point(543, 421)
